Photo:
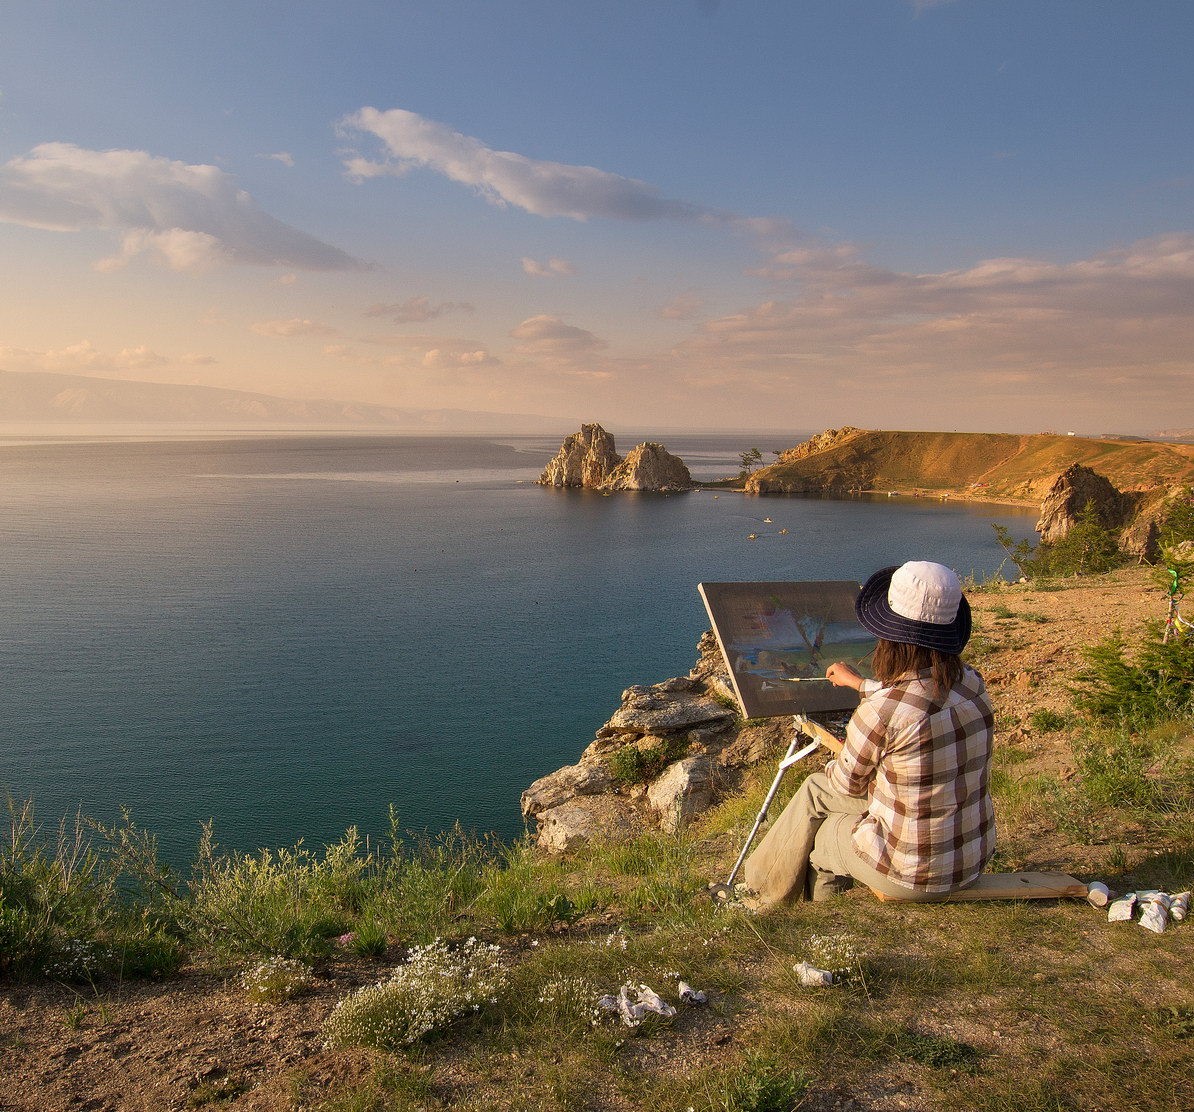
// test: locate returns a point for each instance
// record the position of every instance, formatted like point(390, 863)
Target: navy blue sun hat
point(917, 603)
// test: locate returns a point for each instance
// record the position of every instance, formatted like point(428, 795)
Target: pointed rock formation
point(585, 459)
point(650, 467)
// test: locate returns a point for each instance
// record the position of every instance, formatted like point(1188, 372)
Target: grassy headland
point(990, 466)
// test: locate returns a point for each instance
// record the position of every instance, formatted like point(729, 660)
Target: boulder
point(579, 821)
point(585, 459)
point(683, 791)
point(586, 778)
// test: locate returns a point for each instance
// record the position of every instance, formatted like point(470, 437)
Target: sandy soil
point(196, 1039)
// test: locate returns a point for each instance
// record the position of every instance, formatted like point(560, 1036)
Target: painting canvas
point(778, 639)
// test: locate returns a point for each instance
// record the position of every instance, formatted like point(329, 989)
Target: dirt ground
point(196, 1039)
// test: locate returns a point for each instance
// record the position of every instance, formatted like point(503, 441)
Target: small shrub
point(937, 1052)
point(436, 986)
point(1158, 684)
point(1045, 721)
point(636, 764)
point(276, 980)
point(762, 1084)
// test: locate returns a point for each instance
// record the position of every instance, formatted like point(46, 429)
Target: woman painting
point(905, 809)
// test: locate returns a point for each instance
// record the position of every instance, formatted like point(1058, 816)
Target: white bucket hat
point(917, 603)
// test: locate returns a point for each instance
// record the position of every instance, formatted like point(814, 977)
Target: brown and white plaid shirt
point(930, 824)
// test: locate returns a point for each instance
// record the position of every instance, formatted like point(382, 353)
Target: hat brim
point(876, 615)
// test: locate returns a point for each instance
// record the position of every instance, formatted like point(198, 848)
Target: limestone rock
point(683, 791)
point(586, 778)
point(585, 459)
point(582, 820)
point(650, 710)
point(649, 466)
point(1068, 497)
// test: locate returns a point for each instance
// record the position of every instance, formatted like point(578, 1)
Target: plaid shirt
point(930, 824)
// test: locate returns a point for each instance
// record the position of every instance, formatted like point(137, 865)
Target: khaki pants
point(814, 830)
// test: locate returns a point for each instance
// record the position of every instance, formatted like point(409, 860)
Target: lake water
point(286, 635)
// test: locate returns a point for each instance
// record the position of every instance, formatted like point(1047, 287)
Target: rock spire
point(590, 460)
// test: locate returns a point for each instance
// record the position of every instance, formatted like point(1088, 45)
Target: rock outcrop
point(585, 459)
point(692, 742)
point(649, 466)
point(1076, 488)
point(1124, 512)
point(588, 459)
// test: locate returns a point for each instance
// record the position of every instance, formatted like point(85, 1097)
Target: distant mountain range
point(74, 402)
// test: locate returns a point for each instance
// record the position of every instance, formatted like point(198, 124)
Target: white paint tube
point(1097, 894)
point(691, 995)
point(1180, 907)
point(1120, 910)
point(811, 977)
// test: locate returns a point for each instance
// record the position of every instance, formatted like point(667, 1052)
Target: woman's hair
point(894, 659)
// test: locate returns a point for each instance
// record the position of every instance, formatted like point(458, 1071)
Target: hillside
point(986, 465)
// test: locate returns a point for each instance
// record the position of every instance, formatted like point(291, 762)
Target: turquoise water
point(288, 635)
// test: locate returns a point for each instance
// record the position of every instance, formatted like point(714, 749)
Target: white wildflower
point(435, 986)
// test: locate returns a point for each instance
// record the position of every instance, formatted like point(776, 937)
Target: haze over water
point(287, 635)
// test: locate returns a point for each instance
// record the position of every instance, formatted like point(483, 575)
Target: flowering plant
point(276, 979)
point(436, 985)
point(841, 955)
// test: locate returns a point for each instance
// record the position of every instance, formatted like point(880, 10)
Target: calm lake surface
point(287, 635)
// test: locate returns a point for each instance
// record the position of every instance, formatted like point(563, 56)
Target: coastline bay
point(286, 635)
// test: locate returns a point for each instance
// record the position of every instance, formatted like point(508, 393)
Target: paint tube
point(1120, 910)
point(811, 977)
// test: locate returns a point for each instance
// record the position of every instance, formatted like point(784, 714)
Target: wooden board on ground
point(1016, 886)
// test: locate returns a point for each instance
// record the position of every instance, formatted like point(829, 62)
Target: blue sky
point(960, 214)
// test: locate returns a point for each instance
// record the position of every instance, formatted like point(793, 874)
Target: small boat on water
point(752, 536)
point(783, 532)
point(766, 521)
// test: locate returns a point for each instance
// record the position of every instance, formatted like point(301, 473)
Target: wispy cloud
point(685, 306)
point(294, 326)
point(1116, 325)
point(82, 357)
point(552, 268)
point(416, 309)
point(284, 157)
point(550, 336)
point(190, 216)
point(437, 357)
point(507, 178)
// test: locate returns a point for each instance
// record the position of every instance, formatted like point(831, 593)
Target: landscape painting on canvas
point(778, 639)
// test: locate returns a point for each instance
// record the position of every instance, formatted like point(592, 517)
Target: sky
point(673, 214)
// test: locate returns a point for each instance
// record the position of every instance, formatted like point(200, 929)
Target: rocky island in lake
point(588, 459)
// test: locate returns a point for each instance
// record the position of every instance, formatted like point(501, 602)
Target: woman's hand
point(842, 675)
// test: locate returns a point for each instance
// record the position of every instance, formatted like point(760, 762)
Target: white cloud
point(506, 178)
point(437, 357)
point(190, 215)
point(284, 157)
point(416, 309)
point(294, 326)
point(548, 335)
point(553, 268)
